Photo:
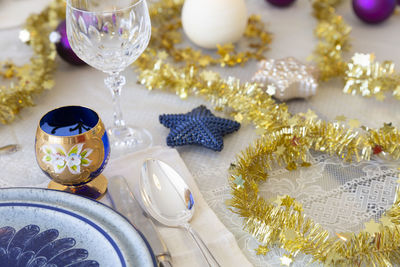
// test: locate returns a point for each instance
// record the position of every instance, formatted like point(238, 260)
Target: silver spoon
point(8, 149)
point(168, 199)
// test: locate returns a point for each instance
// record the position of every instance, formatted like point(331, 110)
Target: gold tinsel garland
point(36, 76)
point(282, 221)
point(362, 75)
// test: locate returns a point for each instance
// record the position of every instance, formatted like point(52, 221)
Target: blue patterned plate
point(46, 228)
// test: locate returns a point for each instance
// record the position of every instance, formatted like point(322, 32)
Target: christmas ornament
point(199, 127)
point(64, 50)
point(209, 23)
point(374, 11)
point(280, 3)
point(287, 78)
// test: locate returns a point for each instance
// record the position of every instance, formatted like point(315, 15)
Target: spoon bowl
point(168, 199)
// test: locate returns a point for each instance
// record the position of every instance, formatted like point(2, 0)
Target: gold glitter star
point(387, 127)
point(280, 150)
point(238, 117)
point(289, 234)
point(52, 55)
point(341, 118)
point(353, 123)
point(209, 76)
point(380, 96)
point(291, 166)
point(260, 131)
point(278, 200)
point(48, 84)
point(372, 227)
point(287, 201)
point(162, 55)
point(286, 260)
point(262, 250)
point(298, 207)
point(386, 221)
point(10, 71)
point(293, 121)
point(310, 115)
point(205, 61)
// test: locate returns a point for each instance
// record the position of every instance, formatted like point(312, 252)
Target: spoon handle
point(202, 246)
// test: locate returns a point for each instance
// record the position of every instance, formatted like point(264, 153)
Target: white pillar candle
point(211, 22)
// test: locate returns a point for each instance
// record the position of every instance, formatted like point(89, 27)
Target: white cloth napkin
point(184, 251)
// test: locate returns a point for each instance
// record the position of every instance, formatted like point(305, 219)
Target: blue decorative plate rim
point(70, 212)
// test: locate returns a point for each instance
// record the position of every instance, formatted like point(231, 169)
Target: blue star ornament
point(198, 127)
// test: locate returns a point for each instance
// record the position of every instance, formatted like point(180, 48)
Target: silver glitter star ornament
point(287, 78)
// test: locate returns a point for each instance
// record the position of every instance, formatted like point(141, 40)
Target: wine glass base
point(128, 139)
point(95, 189)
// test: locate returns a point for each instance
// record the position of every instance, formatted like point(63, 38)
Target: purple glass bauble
point(280, 3)
point(64, 50)
point(374, 11)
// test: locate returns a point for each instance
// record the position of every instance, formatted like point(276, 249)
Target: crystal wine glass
point(109, 35)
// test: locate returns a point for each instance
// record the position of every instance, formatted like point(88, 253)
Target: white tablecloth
point(293, 36)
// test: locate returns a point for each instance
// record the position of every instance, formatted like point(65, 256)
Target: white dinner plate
point(42, 227)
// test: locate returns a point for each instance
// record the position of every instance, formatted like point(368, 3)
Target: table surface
point(339, 196)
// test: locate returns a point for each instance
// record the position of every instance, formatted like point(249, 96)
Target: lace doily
point(338, 195)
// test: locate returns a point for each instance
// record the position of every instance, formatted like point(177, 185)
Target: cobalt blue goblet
point(72, 148)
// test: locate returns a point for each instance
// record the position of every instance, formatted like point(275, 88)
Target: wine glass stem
point(115, 82)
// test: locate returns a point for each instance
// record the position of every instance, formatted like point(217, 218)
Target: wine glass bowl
point(109, 35)
point(72, 149)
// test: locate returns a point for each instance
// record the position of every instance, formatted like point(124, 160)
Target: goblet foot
point(128, 139)
point(95, 189)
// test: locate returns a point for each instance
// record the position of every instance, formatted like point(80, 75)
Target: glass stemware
point(109, 35)
point(72, 148)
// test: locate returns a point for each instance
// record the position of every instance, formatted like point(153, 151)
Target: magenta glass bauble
point(374, 11)
point(63, 47)
point(280, 3)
